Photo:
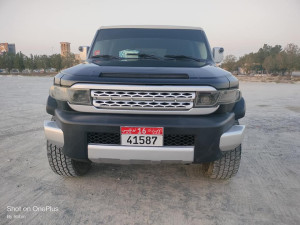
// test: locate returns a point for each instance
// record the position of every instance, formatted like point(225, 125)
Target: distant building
point(12, 48)
point(64, 48)
point(9, 48)
point(3, 48)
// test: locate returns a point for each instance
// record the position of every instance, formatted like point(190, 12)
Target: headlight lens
point(59, 93)
point(206, 99)
point(79, 96)
point(73, 96)
point(229, 96)
point(217, 97)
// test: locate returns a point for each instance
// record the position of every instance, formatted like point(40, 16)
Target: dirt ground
point(269, 78)
point(265, 191)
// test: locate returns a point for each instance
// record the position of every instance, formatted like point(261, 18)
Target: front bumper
point(213, 134)
point(136, 154)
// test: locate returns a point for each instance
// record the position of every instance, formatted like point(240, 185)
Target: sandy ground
point(269, 78)
point(265, 191)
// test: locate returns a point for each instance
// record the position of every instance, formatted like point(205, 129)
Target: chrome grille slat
point(143, 94)
point(143, 100)
point(142, 105)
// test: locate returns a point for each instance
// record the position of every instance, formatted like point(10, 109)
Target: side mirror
point(218, 54)
point(83, 52)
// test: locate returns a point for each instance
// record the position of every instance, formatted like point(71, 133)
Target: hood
point(92, 73)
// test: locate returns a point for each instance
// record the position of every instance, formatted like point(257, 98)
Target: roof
point(152, 27)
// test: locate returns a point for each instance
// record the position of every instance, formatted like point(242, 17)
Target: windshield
point(150, 47)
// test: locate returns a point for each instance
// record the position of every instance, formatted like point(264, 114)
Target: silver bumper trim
point(118, 153)
point(232, 138)
point(53, 132)
point(193, 111)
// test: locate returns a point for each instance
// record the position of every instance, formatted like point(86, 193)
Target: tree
point(9, 61)
point(272, 58)
point(270, 64)
point(56, 62)
point(21, 61)
point(281, 61)
point(16, 61)
point(275, 50)
point(229, 63)
point(68, 60)
point(298, 62)
point(292, 57)
point(247, 62)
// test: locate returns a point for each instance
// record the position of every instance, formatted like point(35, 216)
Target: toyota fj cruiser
point(146, 94)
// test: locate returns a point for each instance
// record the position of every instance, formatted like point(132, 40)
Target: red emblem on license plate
point(142, 130)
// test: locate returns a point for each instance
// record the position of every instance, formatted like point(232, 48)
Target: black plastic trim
point(51, 105)
point(145, 76)
point(240, 109)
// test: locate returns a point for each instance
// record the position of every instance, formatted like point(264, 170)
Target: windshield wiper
point(105, 57)
point(180, 57)
point(144, 56)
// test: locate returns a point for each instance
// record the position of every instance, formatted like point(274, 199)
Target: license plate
point(142, 136)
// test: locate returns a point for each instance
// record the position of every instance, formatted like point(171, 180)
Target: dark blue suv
point(146, 94)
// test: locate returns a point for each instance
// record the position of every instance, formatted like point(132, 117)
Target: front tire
point(226, 167)
point(64, 165)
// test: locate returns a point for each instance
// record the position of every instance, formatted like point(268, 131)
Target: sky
point(240, 26)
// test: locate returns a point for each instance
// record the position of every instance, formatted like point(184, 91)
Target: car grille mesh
point(179, 140)
point(104, 138)
point(114, 138)
point(147, 100)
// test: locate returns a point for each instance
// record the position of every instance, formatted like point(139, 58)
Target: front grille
point(104, 138)
point(114, 138)
point(143, 100)
point(179, 140)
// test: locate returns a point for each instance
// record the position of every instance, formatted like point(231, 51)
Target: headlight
point(229, 96)
point(210, 99)
point(79, 96)
point(59, 93)
point(206, 99)
point(72, 95)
